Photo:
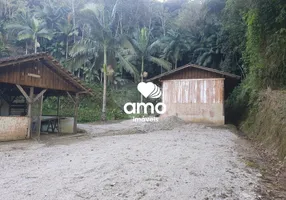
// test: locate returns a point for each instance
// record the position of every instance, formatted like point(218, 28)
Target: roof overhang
point(224, 74)
point(48, 60)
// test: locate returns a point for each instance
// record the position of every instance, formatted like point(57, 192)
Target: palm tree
point(51, 12)
point(3, 50)
point(30, 28)
point(101, 39)
point(175, 45)
point(66, 30)
point(209, 51)
point(141, 50)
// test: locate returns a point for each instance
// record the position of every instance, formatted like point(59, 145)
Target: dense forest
point(113, 43)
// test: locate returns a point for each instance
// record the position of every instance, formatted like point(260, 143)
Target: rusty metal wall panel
point(13, 128)
point(199, 100)
point(193, 91)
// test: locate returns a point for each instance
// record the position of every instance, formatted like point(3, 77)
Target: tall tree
point(176, 44)
point(142, 50)
point(3, 50)
point(31, 28)
point(65, 29)
point(101, 22)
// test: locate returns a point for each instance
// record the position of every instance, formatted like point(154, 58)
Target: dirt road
point(188, 162)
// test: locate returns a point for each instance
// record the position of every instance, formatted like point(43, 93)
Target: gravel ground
point(189, 162)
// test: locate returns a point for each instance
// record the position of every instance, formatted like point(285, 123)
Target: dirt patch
point(130, 127)
point(168, 123)
point(272, 171)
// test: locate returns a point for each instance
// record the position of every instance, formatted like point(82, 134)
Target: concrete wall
point(13, 128)
point(195, 100)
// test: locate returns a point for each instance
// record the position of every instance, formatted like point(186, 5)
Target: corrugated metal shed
point(195, 100)
point(193, 91)
point(196, 93)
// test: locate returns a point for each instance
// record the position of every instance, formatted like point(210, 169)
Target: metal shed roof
point(226, 74)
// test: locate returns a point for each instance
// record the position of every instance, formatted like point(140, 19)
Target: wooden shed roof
point(164, 75)
point(47, 60)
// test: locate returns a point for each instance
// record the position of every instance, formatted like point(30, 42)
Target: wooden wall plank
point(49, 79)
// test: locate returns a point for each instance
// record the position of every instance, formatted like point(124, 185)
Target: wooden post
point(40, 95)
point(30, 99)
point(58, 113)
point(30, 110)
point(76, 104)
point(40, 117)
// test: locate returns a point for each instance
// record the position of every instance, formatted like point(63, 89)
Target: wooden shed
point(25, 81)
point(195, 93)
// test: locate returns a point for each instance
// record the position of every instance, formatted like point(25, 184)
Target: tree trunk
point(164, 26)
point(73, 19)
point(121, 26)
point(26, 48)
point(142, 71)
point(176, 63)
point(36, 41)
point(103, 115)
point(101, 77)
point(67, 48)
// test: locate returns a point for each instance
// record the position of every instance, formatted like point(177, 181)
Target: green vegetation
point(90, 108)
point(258, 32)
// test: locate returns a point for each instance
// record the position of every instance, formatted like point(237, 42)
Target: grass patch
point(252, 164)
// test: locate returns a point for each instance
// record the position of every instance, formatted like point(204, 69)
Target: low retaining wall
point(13, 128)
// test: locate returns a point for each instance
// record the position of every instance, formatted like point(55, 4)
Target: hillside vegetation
point(266, 121)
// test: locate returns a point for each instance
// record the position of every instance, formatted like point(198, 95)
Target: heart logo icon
point(149, 90)
point(145, 88)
